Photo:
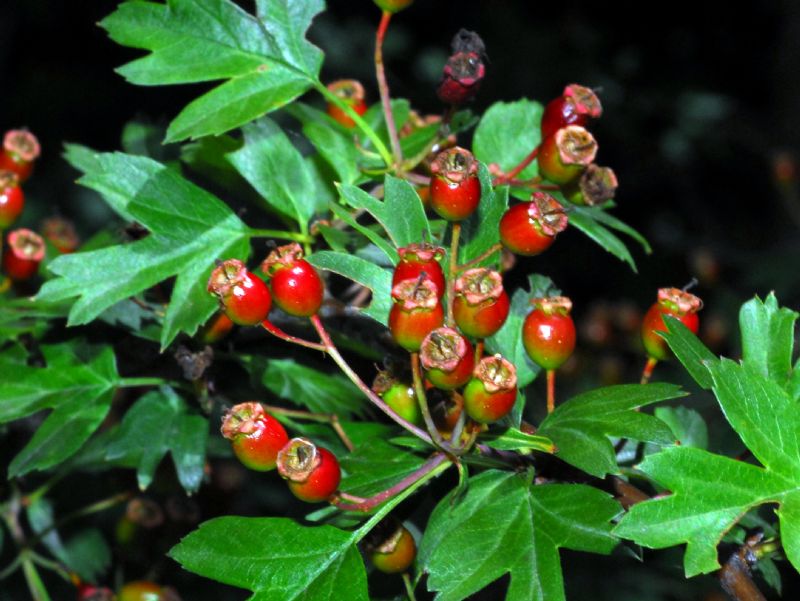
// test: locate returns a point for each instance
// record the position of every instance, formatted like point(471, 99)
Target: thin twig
point(383, 87)
point(277, 332)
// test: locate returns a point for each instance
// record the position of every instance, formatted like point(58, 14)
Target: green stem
point(35, 584)
point(383, 87)
point(331, 349)
point(422, 401)
point(133, 382)
point(497, 247)
point(451, 279)
point(360, 123)
point(281, 235)
point(409, 587)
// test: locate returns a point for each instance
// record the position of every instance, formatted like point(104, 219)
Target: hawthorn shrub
point(326, 290)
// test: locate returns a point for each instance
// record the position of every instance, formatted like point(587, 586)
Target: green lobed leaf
point(503, 525)
point(276, 169)
point(160, 422)
point(276, 558)
point(701, 509)
point(369, 233)
point(266, 62)
point(482, 229)
point(768, 337)
point(516, 440)
point(692, 353)
point(507, 133)
point(337, 148)
point(79, 394)
point(318, 391)
point(367, 274)
point(400, 212)
point(189, 228)
point(686, 424)
point(508, 339)
point(581, 427)
point(376, 466)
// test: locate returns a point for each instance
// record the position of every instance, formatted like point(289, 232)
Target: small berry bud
point(20, 150)
point(352, 93)
point(464, 70)
point(400, 396)
point(61, 233)
point(481, 305)
point(595, 186)
point(566, 154)
point(455, 188)
point(530, 228)
point(394, 551)
point(576, 106)
point(22, 255)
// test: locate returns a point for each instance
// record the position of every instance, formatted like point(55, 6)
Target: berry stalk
point(451, 276)
point(551, 390)
point(647, 372)
point(422, 399)
point(331, 349)
point(506, 178)
point(323, 418)
point(383, 87)
point(494, 248)
point(278, 333)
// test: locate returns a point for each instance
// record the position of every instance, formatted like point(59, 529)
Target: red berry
point(448, 358)
point(396, 553)
point(295, 284)
point(89, 592)
point(243, 297)
point(530, 228)
point(416, 258)
point(455, 188)
point(675, 303)
point(464, 70)
point(216, 328)
point(400, 396)
point(60, 233)
point(22, 255)
point(575, 106)
point(143, 590)
point(416, 311)
point(492, 391)
point(481, 305)
point(256, 437)
point(311, 472)
point(12, 200)
point(566, 154)
point(352, 93)
point(446, 408)
point(20, 150)
point(595, 186)
point(548, 333)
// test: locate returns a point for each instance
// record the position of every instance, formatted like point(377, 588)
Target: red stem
point(387, 494)
point(648, 370)
point(383, 87)
point(518, 169)
point(276, 331)
point(331, 349)
point(551, 390)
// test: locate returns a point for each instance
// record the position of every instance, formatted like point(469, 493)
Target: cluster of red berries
point(262, 444)
point(25, 249)
point(139, 590)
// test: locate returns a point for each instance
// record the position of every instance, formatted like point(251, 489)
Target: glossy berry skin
point(400, 396)
point(142, 590)
point(89, 592)
point(243, 297)
point(418, 258)
point(673, 302)
point(448, 358)
point(564, 156)
point(352, 93)
point(12, 200)
point(295, 284)
point(492, 391)
point(548, 333)
point(23, 254)
point(530, 228)
point(416, 311)
point(311, 472)
point(397, 554)
point(20, 150)
point(481, 305)
point(455, 188)
point(256, 436)
point(216, 328)
point(576, 106)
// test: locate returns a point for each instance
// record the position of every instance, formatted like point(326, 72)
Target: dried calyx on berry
point(565, 155)
point(243, 297)
point(481, 305)
point(23, 254)
point(492, 391)
point(595, 186)
point(464, 70)
point(447, 357)
point(576, 106)
point(352, 93)
point(256, 436)
point(530, 228)
point(417, 310)
point(418, 258)
point(20, 150)
point(455, 188)
point(296, 286)
point(312, 473)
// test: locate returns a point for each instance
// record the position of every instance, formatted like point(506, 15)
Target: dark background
point(701, 124)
